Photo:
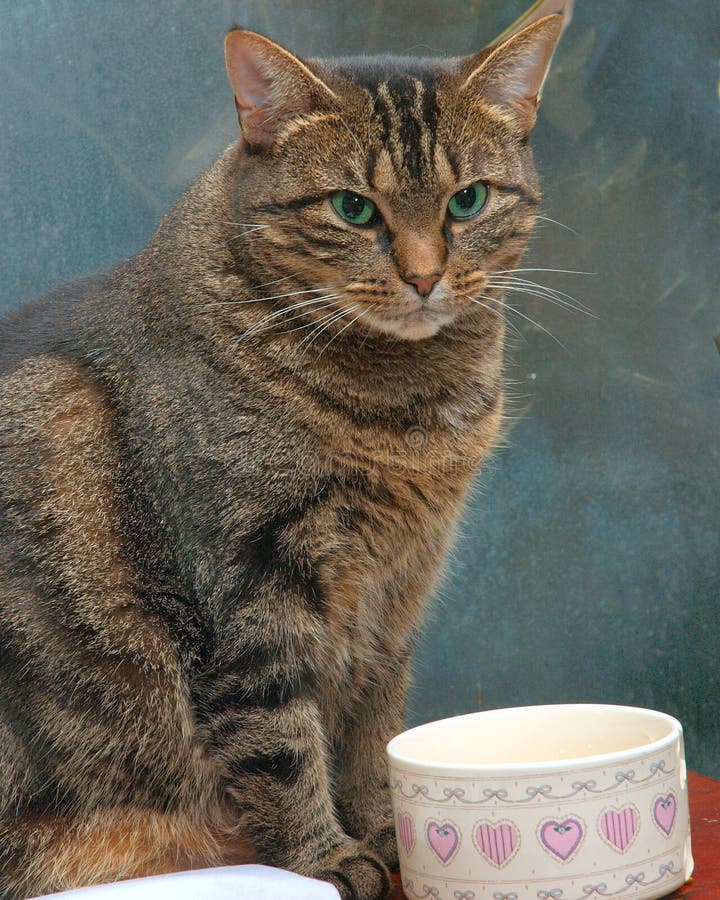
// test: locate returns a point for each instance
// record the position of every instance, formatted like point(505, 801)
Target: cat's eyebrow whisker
point(246, 224)
point(527, 318)
point(555, 222)
point(254, 232)
point(353, 136)
point(254, 228)
point(459, 138)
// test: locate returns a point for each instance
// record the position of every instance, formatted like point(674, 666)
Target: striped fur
point(229, 473)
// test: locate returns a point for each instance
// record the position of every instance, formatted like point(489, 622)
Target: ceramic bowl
point(542, 803)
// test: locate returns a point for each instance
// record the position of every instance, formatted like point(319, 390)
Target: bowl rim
point(540, 766)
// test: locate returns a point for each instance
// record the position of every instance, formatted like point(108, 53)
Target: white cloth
point(228, 883)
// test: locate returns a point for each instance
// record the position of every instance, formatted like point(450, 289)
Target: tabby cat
point(230, 470)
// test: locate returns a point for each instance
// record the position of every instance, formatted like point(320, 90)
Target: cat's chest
point(378, 543)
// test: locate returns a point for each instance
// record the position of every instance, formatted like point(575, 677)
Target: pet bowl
point(542, 803)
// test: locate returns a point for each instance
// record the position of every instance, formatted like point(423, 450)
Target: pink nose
point(423, 283)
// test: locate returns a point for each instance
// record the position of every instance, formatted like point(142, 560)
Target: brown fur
point(117, 844)
point(230, 471)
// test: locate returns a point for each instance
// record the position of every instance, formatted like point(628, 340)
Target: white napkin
point(228, 883)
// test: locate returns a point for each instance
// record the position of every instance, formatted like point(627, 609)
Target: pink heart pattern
point(444, 839)
point(619, 827)
point(562, 839)
point(406, 832)
point(497, 843)
point(664, 811)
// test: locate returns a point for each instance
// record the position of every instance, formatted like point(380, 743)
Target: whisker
point(246, 224)
point(325, 324)
point(276, 281)
point(527, 319)
point(563, 271)
point(352, 135)
point(367, 337)
point(298, 305)
point(261, 326)
point(522, 286)
point(555, 222)
point(281, 312)
point(310, 324)
point(520, 289)
point(543, 287)
point(498, 315)
point(345, 327)
point(253, 228)
point(274, 296)
point(243, 236)
point(320, 323)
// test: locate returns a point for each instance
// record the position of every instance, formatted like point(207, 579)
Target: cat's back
point(47, 396)
point(59, 322)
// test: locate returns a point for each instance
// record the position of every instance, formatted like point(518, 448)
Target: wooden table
point(705, 829)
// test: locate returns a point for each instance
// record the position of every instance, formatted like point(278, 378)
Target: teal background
point(587, 568)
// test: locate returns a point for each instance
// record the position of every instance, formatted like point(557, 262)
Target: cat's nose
point(423, 283)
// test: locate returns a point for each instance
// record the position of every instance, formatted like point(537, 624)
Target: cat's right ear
point(271, 86)
point(510, 77)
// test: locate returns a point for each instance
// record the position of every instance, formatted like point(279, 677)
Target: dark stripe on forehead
point(404, 92)
point(370, 161)
point(430, 115)
point(384, 113)
point(369, 72)
point(408, 113)
point(454, 162)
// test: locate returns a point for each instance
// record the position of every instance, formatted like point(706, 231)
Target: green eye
point(353, 208)
point(469, 201)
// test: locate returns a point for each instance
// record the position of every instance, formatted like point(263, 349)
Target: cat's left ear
point(511, 76)
point(270, 84)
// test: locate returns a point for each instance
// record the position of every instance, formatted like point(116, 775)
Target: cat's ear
point(511, 76)
point(270, 85)
point(538, 10)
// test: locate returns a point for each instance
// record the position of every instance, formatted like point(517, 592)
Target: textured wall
point(588, 566)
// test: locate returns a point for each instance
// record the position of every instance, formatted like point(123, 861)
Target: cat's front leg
point(262, 726)
point(362, 789)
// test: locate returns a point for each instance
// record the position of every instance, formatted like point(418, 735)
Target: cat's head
point(388, 188)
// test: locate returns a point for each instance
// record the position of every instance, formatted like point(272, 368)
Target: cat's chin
point(417, 325)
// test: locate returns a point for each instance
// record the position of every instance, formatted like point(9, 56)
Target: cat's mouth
point(418, 324)
point(417, 319)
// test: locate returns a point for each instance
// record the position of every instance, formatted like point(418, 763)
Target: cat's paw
point(382, 842)
point(356, 872)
